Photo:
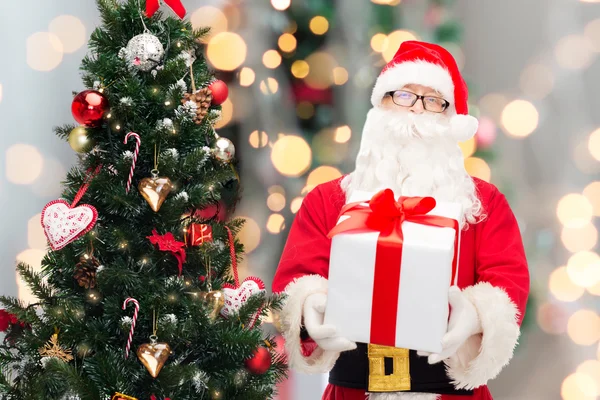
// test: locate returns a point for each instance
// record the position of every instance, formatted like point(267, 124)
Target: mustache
point(410, 125)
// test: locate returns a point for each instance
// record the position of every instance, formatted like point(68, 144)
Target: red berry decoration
point(89, 107)
point(260, 361)
point(219, 91)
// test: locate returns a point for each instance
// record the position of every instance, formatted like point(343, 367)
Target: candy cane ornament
point(135, 156)
point(133, 321)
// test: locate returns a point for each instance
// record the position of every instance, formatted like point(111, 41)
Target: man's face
point(401, 100)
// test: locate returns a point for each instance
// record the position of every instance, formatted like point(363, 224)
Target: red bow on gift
point(385, 215)
point(168, 243)
point(152, 7)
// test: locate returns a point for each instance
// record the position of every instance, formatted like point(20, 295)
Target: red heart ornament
point(63, 224)
point(235, 298)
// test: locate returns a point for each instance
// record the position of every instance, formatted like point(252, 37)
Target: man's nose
point(417, 108)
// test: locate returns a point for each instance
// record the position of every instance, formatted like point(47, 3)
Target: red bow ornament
point(168, 243)
point(152, 7)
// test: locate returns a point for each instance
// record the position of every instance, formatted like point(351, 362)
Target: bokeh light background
point(534, 73)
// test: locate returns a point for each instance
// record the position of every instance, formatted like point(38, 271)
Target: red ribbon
point(152, 7)
point(386, 215)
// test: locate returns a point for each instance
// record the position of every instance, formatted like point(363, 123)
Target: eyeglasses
point(408, 99)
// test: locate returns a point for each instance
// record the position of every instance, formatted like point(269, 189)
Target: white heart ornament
point(235, 298)
point(63, 224)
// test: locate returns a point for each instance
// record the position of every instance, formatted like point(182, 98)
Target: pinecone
point(85, 271)
point(202, 98)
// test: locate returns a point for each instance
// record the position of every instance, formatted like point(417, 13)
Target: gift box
point(391, 266)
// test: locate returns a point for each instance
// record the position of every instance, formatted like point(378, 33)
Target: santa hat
point(433, 66)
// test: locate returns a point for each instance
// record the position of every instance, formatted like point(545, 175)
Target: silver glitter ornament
point(144, 52)
point(224, 150)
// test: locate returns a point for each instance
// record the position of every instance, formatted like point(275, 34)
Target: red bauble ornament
point(89, 107)
point(219, 91)
point(217, 211)
point(260, 361)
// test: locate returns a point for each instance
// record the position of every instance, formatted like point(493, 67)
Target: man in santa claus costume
point(410, 145)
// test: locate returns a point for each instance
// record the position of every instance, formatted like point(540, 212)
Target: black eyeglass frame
point(417, 98)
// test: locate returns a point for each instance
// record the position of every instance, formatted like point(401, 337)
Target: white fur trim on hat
point(482, 357)
point(320, 361)
point(463, 127)
point(414, 72)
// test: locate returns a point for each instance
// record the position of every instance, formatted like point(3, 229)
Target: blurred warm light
point(70, 30)
point(276, 189)
point(580, 238)
point(592, 32)
point(209, 17)
point(271, 59)
point(247, 76)
point(492, 105)
point(275, 223)
point(595, 290)
point(394, 40)
point(387, 2)
point(584, 327)
point(340, 75)
point(468, 147)
point(584, 268)
point(320, 74)
point(280, 4)
point(343, 134)
point(269, 86)
point(478, 168)
point(226, 51)
point(291, 155)
point(574, 210)
point(592, 193)
point(291, 28)
point(33, 258)
point(379, 42)
point(591, 368)
point(578, 386)
point(276, 202)
point(305, 109)
point(287, 42)
point(562, 287)
point(295, 204)
point(321, 175)
point(552, 318)
point(574, 52)
point(258, 139)
point(36, 239)
point(319, 25)
point(24, 164)
point(519, 118)
point(226, 113)
point(536, 81)
point(249, 234)
point(44, 51)
point(300, 69)
point(594, 144)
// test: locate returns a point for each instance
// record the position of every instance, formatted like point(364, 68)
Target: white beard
point(414, 155)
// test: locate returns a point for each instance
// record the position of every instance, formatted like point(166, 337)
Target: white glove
point(325, 336)
point(464, 323)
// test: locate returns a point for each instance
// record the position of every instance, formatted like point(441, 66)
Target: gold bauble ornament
point(79, 140)
point(214, 301)
point(155, 190)
point(154, 355)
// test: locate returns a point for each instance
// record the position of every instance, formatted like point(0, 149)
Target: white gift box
point(425, 277)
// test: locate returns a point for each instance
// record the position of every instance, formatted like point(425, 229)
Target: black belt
point(352, 371)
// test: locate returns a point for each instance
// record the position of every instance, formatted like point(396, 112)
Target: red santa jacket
point(493, 274)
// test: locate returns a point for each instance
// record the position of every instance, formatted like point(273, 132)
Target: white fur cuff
point(320, 361)
point(482, 357)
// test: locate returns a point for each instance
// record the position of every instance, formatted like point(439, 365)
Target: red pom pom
point(89, 107)
point(220, 91)
point(5, 318)
point(260, 361)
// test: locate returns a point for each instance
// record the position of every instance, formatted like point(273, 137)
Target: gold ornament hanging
point(155, 190)
point(53, 349)
point(154, 355)
point(80, 141)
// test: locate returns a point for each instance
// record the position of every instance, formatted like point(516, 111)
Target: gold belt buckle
point(399, 380)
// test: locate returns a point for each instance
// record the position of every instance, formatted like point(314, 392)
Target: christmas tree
point(139, 295)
